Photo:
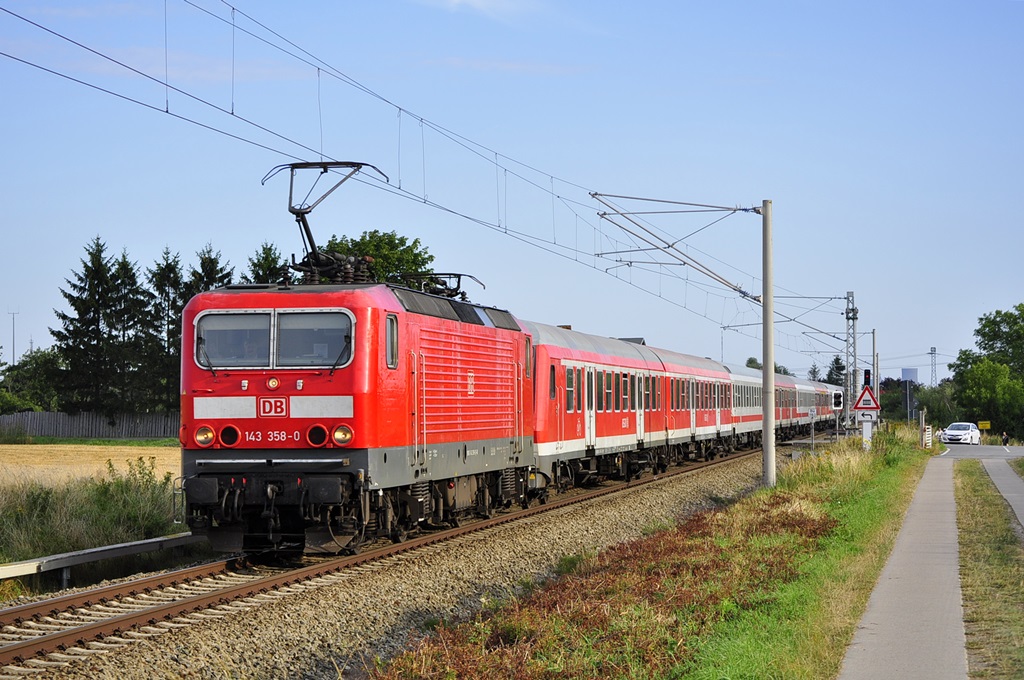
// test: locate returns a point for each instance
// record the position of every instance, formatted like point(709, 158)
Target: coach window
point(614, 377)
point(608, 391)
point(600, 390)
point(551, 379)
point(569, 389)
point(590, 390)
point(392, 341)
point(529, 356)
point(625, 391)
point(233, 340)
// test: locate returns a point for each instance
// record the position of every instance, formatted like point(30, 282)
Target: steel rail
point(21, 651)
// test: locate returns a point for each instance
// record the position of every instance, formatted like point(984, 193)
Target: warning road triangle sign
point(866, 401)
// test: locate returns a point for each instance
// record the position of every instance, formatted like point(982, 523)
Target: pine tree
point(209, 274)
point(166, 283)
point(133, 338)
point(814, 373)
point(836, 372)
point(84, 342)
point(266, 266)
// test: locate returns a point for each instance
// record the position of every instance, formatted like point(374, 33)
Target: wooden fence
point(93, 425)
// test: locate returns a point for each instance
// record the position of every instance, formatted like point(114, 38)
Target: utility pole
point(851, 356)
point(934, 382)
point(14, 354)
point(768, 349)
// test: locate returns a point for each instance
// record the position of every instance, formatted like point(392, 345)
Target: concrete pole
point(768, 348)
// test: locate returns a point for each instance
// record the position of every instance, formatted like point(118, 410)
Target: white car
point(961, 433)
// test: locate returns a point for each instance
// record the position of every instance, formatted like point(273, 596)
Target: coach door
point(693, 404)
point(637, 403)
point(590, 419)
point(719, 405)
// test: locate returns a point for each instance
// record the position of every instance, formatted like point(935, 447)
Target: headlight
point(205, 435)
point(342, 435)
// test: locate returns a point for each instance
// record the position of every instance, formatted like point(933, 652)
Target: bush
point(12, 403)
point(14, 434)
point(39, 518)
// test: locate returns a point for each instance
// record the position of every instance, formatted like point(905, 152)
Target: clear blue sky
point(888, 137)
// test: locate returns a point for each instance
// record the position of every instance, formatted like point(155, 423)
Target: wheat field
point(62, 461)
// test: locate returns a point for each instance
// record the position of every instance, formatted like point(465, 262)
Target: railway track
point(58, 631)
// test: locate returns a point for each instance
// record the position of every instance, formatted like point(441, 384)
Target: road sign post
point(867, 408)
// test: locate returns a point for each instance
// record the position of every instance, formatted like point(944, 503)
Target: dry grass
point(843, 591)
point(991, 575)
point(56, 463)
point(639, 609)
point(773, 586)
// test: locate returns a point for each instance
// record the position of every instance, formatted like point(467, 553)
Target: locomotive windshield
point(233, 340)
point(314, 339)
point(302, 339)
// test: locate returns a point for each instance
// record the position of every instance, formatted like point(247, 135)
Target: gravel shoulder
point(334, 626)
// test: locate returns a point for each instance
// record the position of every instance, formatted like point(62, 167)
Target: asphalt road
point(958, 451)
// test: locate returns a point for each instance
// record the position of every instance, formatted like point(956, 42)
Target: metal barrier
point(65, 561)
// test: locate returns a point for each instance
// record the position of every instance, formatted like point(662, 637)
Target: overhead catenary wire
point(506, 166)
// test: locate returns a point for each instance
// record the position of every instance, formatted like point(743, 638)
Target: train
point(319, 417)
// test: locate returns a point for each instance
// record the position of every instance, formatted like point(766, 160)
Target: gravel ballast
point(330, 627)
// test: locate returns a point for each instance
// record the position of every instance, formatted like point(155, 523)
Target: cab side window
point(392, 340)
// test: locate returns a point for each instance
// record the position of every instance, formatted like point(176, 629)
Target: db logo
point(273, 407)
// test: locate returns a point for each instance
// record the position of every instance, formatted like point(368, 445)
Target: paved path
point(913, 626)
point(1009, 484)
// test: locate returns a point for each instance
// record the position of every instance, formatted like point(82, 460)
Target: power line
point(503, 164)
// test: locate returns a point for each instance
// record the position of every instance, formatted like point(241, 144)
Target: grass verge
point(770, 587)
point(105, 442)
point(991, 574)
point(40, 517)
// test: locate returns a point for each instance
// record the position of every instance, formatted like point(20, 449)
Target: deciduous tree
point(395, 258)
point(34, 379)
